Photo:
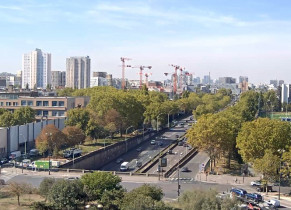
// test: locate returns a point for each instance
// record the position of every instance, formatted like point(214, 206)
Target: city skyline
point(221, 37)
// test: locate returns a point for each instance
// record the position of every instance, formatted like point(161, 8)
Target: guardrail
point(182, 162)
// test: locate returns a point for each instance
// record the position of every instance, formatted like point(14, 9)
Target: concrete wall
point(97, 159)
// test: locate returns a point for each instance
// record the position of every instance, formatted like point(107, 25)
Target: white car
point(153, 142)
point(256, 183)
point(273, 202)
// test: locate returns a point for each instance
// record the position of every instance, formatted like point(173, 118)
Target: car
point(160, 143)
point(273, 202)
point(177, 136)
point(153, 142)
point(138, 164)
point(138, 149)
point(180, 143)
point(119, 160)
point(254, 196)
point(170, 151)
point(181, 124)
point(256, 183)
point(3, 161)
point(184, 169)
point(262, 188)
point(238, 192)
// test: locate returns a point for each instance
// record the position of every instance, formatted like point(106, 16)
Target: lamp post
point(169, 117)
point(281, 151)
point(179, 186)
point(126, 136)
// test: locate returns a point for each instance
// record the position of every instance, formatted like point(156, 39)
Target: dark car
point(238, 192)
point(184, 169)
point(160, 143)
point(180, 143)
point(254, 196)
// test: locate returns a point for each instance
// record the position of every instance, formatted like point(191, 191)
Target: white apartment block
point(78, 72)
point(36, 69)
point(58, 79)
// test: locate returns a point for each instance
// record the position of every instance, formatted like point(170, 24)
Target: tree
point(268, 165)
point(50, 139)
point(6, 119)
point(113, 121)
point(96, 183)
point(65, 92)
point(23, 115)
point(74, 135)
point(260, 135)
point(78, 117)
point(18, 189)
point(45, 186)
point(112, 199)
point(66, 194)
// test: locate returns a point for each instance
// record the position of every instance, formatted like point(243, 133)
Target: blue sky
point(226, 38)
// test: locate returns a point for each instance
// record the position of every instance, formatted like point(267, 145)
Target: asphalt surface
point(147, 152)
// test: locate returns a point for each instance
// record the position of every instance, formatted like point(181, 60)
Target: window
point(8, 103)
point(39, 113)
point(45, 103)
point(23, 103)
point(15, 103)
point(1, 103)
point(54, 103)
point(45, 113)
point(38, 103)
point(61, 113)
point(61, 103)
point(29, 103)
point(54, 113)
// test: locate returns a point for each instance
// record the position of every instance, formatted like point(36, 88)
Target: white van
point(15, 154)
point(124, 166)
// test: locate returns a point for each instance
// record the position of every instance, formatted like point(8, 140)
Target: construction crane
point(141, 68)
point(147, 78)
point(176, 67)
point(123, 66)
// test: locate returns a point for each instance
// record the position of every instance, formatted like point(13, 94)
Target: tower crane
point(123, 66)
point(141, 68)
point(176, 67)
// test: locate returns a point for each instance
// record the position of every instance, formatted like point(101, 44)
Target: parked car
point(256, 183)
point(180, 143)
point(238, 192)
point(184, 169)
point(254, 196)
point(153, 142)
point(273, 202)
point(138, 164)
point(119, 160)
point(3, 161)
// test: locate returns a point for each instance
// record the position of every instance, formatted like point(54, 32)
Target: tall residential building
point(243, 79)
point(58, 79)
point(36, 69)
point(78, 72)
point(285, 93)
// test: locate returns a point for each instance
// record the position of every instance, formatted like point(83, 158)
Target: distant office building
point(227, 80)
point(58, 79)
point(206, 80)
point(99, 74)
point(109, 79)
point(78, 72)
point(285, 93)
point(281, 82)
point(98, 81)
point(274, 82)
point(36, 69)
point(243, 78)
point(196, 80)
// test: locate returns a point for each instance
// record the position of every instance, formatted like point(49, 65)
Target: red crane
point(176, 67)
point(123, 71)
point(141, 68)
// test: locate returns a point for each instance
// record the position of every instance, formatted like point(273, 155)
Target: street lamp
point(281, 151)
point(126, 136)
point(169, 117)
point(179, 186)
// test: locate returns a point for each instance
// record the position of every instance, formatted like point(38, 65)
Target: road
point(193, 166)
point(148, 151)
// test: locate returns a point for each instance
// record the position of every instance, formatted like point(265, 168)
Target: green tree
point(112, 199)
point(96, 183)
point(6, 119)
point(74, 135)
point(65, 92)
point(78, 117)
point(260, 135)
point(66, 194)
point(18, 189)
point(45, 186)
point(156, 193)
point(23, 115)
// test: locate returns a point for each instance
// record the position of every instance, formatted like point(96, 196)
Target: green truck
point(41, 164)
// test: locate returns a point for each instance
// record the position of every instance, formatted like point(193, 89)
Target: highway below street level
point(146, 151)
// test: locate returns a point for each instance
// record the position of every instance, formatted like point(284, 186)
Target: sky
point(224, 37)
